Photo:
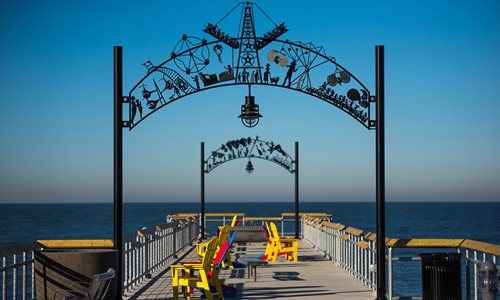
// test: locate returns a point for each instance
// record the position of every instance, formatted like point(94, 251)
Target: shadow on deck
point(313, 277)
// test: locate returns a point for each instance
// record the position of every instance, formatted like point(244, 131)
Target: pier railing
point(17, 270)
point(349, 248)
point(345, 246)
point(354, 252)
point(145, 253)
point(285, 222)
point(153, 248)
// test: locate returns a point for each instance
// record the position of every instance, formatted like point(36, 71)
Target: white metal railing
point(284, 224)
point(151, 249)
point(16, 270)
point(475, 258)
point(144, 254)
point(472, 257)
point(346, 247)
point(355, 253)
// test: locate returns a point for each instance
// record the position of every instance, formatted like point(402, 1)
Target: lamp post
point(296, 172)
point(380, 170)
point(202, 204)
point(118, 166)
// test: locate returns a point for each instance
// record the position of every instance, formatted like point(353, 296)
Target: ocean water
point(29, 222)
point(477, 221)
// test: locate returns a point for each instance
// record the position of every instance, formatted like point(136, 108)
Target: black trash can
point(441, 276)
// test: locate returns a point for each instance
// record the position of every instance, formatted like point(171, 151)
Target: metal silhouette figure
point(208, 79)
point(226, 75)
point(291, 69)
point(218, 51)
point(136, 105)
point(196, 81)
point(145, 93)
point(267, 73)
point(244, 76)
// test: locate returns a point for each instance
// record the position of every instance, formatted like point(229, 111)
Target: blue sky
point(442, 74)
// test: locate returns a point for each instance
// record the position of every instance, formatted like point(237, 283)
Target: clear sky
point(442, 103)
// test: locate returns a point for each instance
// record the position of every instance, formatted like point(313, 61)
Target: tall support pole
point(380, 169)
point(202, 200)
point(118, 167)
point(296, 190)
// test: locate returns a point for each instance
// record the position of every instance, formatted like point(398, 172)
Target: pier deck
point(313, 277)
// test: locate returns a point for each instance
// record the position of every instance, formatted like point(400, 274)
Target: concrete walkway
point(312, 277)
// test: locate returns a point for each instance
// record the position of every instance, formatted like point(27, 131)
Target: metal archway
point(249, 148)
point(308, 70)
point(196, 64)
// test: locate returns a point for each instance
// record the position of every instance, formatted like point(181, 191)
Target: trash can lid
point(441, 256)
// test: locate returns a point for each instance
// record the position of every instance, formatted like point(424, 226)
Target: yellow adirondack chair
point(221, 238)
point(270, 243)
point(234, 221)
point(281, 245)
point(201, 275)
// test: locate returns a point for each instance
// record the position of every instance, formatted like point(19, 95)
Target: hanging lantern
point(250, 112)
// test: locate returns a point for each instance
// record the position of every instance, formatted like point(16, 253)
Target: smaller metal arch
point(249, 148)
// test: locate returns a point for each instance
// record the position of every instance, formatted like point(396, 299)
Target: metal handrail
point(472, 250)
point(145, 253)
point(355, 253)
point(225, 218)
point(17, 270)
point(345, 246)
point(151, 249)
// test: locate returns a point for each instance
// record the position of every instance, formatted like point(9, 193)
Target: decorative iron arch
point(249, 148)
point(196, 64)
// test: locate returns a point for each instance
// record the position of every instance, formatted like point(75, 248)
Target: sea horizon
point(261, 201)
point(28, 222)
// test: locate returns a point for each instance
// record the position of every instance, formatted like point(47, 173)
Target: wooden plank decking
point(312, 277)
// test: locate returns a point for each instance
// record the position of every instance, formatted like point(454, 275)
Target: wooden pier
point(313, 277)
point(345, 272)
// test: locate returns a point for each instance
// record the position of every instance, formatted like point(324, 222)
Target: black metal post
point(202, 208)
point(118, 166)
point(296, 190)
point(380, 169)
